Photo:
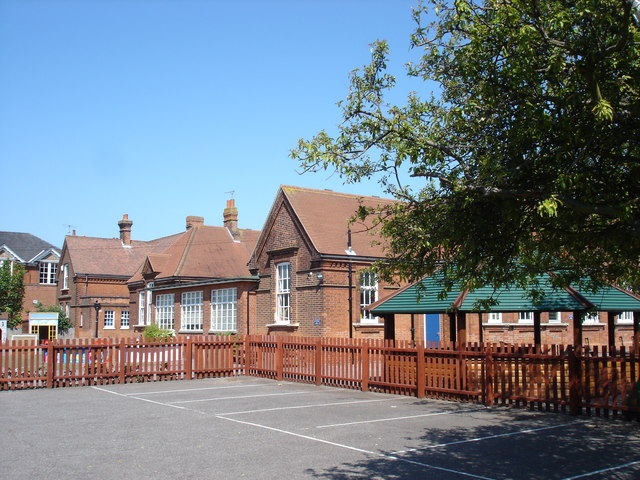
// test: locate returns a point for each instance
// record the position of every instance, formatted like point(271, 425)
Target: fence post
point(489, 395)
point(122, 364)
point(51, 363)
point(318, 360)
point(247, 355)
point(279, 356)
point(575, 383)
point(188, 355)
point(364, 358)
point(421, 380)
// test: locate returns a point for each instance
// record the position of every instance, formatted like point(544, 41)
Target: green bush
point(154, 332)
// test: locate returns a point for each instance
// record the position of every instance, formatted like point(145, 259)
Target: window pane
point(48, 272)
point(109, 317)
point(591, 318)
point(283, 289)
point(224, 310)
point(191, 310)
point(525, 317)
point(368, 295)
point(625, 317)
point(164, 311)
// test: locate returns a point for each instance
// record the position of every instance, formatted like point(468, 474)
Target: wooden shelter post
point(577, 329)
point(636, 332)
point(611, 329)
point(480, 328)
point(537, 334)
point(389, 326)
point(452, 327)
point(461, 320)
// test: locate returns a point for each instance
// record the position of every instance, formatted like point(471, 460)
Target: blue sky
point(158, 108)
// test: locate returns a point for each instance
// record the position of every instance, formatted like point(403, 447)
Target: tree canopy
point(527, 155)
point(12, 291)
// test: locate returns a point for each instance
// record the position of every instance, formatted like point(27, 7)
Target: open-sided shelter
point(466, 314)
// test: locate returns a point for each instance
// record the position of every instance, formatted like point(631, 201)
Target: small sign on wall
point(316, 321)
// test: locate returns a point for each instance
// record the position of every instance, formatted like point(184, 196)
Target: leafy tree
point(64, 323)
point(12, 291)
point(527, 155)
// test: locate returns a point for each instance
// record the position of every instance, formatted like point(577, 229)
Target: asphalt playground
point(254, 428)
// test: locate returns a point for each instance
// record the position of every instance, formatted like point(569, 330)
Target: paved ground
point(260, 429)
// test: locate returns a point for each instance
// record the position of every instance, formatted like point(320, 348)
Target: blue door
point(432, 327)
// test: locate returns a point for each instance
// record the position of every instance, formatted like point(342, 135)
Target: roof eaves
point(14, 254)
point(297, 215)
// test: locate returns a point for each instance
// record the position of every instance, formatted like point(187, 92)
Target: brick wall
point(511, 330)
point(319, 306)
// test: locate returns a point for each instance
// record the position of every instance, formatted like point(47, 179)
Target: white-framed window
point(142, 302)
point(48, 273)
point(626, 318)
point(368, 295)
point(591, 318)
point(109, 319)
point(164, 311)
point(224, 310)
point(554, 317)
point(525, 317)
point(494, 317)
point(148, 306)
point(283, 293)
point(191, 311)
point(65, 276)
point(124, 319)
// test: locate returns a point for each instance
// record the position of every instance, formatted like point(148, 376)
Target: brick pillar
point(125, 229)
point(230, 215)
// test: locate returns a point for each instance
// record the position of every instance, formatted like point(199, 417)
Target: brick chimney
point(230, 215)
point(125, 229)
point(193, 221)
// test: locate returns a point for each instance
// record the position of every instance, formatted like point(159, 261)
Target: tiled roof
point(325, 215)
point(204, 252)
point(25, 245)
point(423, 297)
point(108, 256)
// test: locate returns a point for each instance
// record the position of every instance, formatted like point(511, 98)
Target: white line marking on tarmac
point(236, 397)
point(293, 407)
point(199, 389)
point(396, 418)
point(138, 398)
point(360, 450)
point(489, 437)
point(604, 470)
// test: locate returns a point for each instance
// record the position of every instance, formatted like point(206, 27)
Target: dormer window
point(48, 273)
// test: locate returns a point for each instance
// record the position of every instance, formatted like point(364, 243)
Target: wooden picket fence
point(594, 381)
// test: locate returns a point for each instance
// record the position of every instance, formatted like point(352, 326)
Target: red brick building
point(201, 283)
point(40, 260)
point(131, 282)
point(312, 268)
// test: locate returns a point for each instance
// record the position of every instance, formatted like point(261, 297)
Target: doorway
point(432, 327)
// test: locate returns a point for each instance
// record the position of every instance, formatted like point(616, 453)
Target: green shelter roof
point(424, 297)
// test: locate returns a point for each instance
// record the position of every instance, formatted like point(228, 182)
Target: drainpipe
point(350, 274)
